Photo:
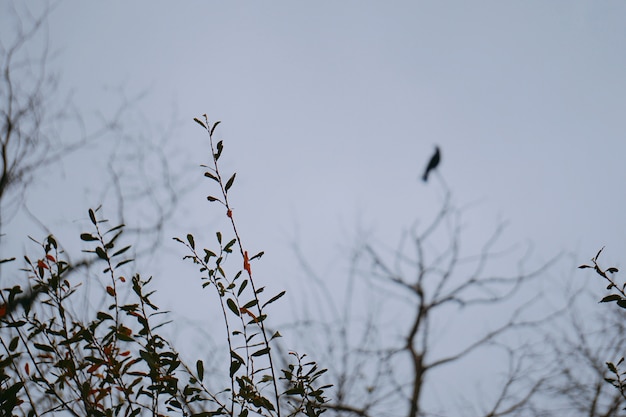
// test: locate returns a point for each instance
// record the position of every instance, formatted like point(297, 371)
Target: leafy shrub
point(116, 362)
point(618, 295)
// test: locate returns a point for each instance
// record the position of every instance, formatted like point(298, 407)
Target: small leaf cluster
point(619, 297)
point(302, 395)
point(251, 369)
point(617, 378)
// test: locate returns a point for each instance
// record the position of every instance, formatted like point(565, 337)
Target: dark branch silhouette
point(384, 336)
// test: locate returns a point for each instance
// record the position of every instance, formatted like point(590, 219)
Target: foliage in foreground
point(116, 362)
point(618, 295)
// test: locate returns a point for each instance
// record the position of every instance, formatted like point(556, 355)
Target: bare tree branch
point(428, 285)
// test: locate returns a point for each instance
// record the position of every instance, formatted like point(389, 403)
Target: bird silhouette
point(432, 164)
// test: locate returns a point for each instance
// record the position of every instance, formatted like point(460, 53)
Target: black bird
point(432, 164)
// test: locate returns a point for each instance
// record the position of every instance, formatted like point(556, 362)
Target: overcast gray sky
point(330, 111)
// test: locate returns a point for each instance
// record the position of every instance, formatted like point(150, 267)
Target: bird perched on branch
point(432, 164)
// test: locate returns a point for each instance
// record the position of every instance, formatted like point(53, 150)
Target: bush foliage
point(617, 377)
point(116, 362)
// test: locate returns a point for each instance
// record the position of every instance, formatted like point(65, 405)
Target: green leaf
point(235, 356)
point(609, 298)
point(13, 344)
point(259, 319)
point(229, 245)
point(243, 286)
point(195, 119)
point(174, 403)
point(598, 254)
point(125, 261)
point(93, 359)
point(258, 255)
point(101, 253)
point(45, 348)
point(611, 367)
point(214, 126)
point(230, 182)
point(234, 367)
point(103, 316)
point(212, 199)
point(261, 352)
point(150, 358)
point(219, 237)
point(92, 216)
point(119, 252)
point(87, 237)
point(114, 228)
point(276, 297)
point(200, 369)
point(209, 175)
point(250, 304)
point(622, 303)
point(310, 411)
point(191, 241)
point(294, 391)
point(233, 307)
point(10, 393)
point(52, 241)
point(220, 148)
point(111, 242)
point(123, 337)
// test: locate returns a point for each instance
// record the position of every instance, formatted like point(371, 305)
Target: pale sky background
point(331, 109)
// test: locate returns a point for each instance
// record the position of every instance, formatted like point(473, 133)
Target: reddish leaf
point(93, 368)
point(248, 312)
point(246, 263)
